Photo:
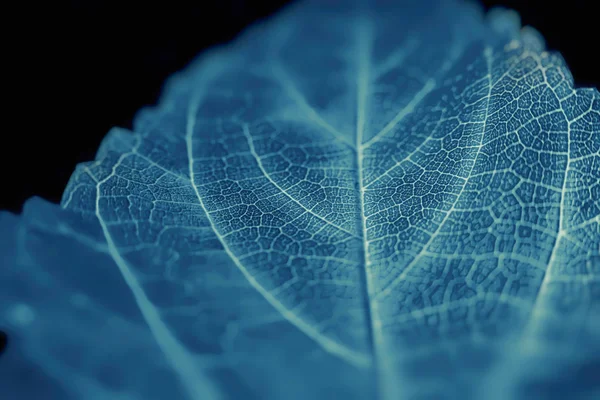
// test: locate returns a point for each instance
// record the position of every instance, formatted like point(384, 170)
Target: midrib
point(363, 45)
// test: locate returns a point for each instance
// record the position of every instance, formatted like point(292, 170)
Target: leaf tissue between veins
point(388, 200)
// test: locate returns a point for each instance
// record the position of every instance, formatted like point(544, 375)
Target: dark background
point(81, 67)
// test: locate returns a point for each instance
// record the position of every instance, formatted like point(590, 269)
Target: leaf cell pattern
point(392, 201)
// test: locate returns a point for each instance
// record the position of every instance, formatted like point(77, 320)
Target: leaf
point(393, 201)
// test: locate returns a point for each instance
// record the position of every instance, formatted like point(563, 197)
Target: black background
point(3, 341)
point(81, 67)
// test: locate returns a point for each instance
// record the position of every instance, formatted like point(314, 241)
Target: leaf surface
point(392, 201)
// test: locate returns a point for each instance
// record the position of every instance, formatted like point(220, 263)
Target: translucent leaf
point(385, 201)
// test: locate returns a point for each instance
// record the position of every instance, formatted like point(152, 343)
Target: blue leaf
point(383, 202)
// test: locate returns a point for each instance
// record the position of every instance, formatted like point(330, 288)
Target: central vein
point(364, 42)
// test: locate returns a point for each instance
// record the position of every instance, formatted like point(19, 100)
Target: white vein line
point(282, 190)
point(454, 54)
point(469, 301)
point(279, 72)
point(562, 232)
point(328, 344)
point(193, 378)
point(291, 90)
point(407, 157)
point(409, 108)
point(159, 166)
point(395, 59)
point(593, 220)
point(364, 42)
point(414, 262)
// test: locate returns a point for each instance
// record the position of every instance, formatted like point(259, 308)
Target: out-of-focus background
point(77, 68)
